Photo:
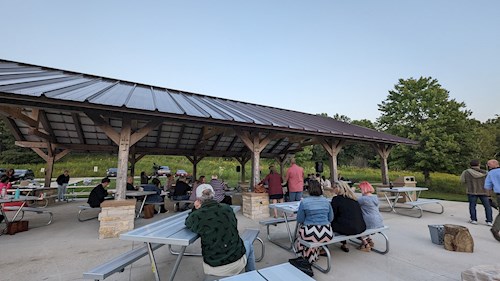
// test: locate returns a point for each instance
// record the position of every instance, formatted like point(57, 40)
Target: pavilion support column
point(195, 160)
point(281, 161)
point(132, 161)
point(256, 144)
point(383, 151)
point(50, 158)
point(123, 151)
point(333, 147)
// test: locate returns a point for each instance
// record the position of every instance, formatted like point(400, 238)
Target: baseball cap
point(201, 188)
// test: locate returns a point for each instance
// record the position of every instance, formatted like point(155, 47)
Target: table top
point(290, 207)
point(171, 230)
point(280, 272)
point(247, 276)
point(21, 198)
point(134, 192)
point(402, 189)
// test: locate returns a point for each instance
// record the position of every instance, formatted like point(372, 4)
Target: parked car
point(163, 171)
point(24, 174)
point(181, 173)
point(111, 172)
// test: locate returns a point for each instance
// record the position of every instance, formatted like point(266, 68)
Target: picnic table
point(169, 231)
point(289, 209)
point(413, 200)
point(280, 272)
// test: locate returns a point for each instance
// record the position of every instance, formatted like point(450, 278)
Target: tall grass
point(82, 165)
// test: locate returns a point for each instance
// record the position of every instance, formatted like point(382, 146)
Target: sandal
point(344, 248)
point(370, 242)
point(365, 247)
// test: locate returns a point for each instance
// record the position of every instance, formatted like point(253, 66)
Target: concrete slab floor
point(67, 248)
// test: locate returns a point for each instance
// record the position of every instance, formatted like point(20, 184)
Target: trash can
point(437, 233)
point(406, 181)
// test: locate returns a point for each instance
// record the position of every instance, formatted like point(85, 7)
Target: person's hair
point(143, 173)
point(474, 163)
point(105, 180)
point(493, 163)
point(292, 161)
point(366, 187)
point(214, 177)
point(4, 179)
point(66, 171)
point(156, 182)
point(182, 178)
point(314, 188)
point(323, 177)
point(207, 194)
point(345, 190)
point(201, 178)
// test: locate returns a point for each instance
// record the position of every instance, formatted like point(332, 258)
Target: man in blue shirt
point(493, 182)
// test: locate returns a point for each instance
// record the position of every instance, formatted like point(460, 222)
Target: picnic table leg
point(142, 206)
point(292, 239)
point(177, 263)
point(153, 262)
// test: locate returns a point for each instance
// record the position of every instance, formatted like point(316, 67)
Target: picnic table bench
point(280, 272)
point(339, 238)
point(30, 209)
point(168, 231)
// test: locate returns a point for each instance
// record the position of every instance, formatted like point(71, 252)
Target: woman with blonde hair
point(348, 219)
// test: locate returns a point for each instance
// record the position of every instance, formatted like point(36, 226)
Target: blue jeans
point(295, 196)
point(61, 191)
point(250, 256)
point(486, 204)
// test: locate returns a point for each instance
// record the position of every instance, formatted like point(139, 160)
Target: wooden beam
point(61, 154)
point(123, 152)
point(219, 137)
point(78, 127)
point(11, 124)
point(42, 117)
point(383, 151)
point(158, 137)
point(71, 146)
point(180, 136)
point(104, 126)
point(42, 135)
point(144, 131)
point(16, 113)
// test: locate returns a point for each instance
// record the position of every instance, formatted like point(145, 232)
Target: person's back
point(218, 189)
point(348, 218)
point(98, 194)
point(316, 211)
point(295, 178)
point(152, 198)
point(370, 211)
point(473, 179)
point(181, 188)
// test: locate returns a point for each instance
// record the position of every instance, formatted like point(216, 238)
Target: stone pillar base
point(255, 205)
point(116, 217)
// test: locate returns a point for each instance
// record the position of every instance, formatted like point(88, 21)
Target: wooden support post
point(383, 151)
point(333, 147)
point(243, 161)
point(49, 158)
point(195, 160)
point(256, 144)
point(123, 151)
point(281, 161)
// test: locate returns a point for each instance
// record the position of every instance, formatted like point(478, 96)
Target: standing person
point(98, 194)
point(224, 252)
point(369, 208)
point(62, 183)
point(219, 187)
point(348, 219)
point(473, 179)
point(275, 191)
point(314, 215)
point(144, 178)
point(295, 180)
point(493, 182)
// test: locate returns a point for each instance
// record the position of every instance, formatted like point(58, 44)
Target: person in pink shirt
point(295, 181)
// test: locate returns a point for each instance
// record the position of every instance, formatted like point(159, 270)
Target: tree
point(10, 153)
point(421, 110)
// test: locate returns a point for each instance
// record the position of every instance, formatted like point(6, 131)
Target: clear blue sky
point(311, 56)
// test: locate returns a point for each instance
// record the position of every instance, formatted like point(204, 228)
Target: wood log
point(457, 238)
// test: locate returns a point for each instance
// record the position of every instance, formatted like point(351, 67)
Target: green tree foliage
point(10, 153)
point(421, 110)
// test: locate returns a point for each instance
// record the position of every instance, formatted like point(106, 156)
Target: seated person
point(155, 198)
point(200, 181)
point(130, 184)
point(181, 192)
point(348, 218)
point(219, 187)
point(218, 228)
point(371, 214)
point(98, 194)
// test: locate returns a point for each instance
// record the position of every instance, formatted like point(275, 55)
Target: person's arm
point(488, 183)
point(192, 219)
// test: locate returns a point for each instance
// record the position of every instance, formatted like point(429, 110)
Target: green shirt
point(217, 226)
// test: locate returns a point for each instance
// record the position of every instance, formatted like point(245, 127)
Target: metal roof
point(66, 99)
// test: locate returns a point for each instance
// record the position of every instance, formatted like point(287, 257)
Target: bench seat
point(421, 202)
point(83, 208)
point(31, 209)
point(275, 222)
point(119, 263)
point(251, 235)
point(339, 238)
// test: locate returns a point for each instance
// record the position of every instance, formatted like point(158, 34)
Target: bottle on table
point(17, 194)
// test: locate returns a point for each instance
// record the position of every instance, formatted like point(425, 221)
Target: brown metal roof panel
point(213, 111)
point(165, 103)
point(245, 109)
point(141, 98)
point(226, 108)
point(187, 107)
point(277, 117)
